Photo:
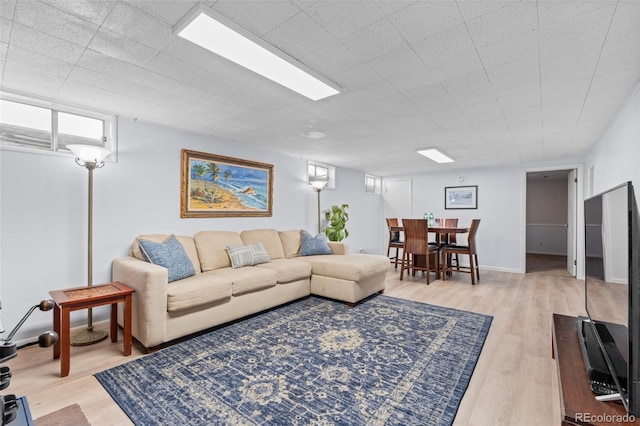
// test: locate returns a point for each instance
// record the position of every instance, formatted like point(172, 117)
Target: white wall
point(616, 158)
point(499, 203)
point(43, 212)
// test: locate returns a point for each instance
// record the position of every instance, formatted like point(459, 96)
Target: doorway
point(551, 243)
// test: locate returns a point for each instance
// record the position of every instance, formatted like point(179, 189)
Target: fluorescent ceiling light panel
point(224, 37)
point(436, 155)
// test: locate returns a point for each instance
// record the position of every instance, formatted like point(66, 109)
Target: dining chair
point(469, 250)
point(450, 238)
point(418, 254)
point(395, 240)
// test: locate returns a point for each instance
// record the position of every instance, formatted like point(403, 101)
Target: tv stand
point(578, 405)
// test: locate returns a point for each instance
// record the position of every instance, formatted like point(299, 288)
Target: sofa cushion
point(288, 270)
point(290, 243)
point(353, 267)
point(212, 248)
point(187, 242)
point(312, 246)
point(197, 290)
point(169, 254)
point(249, 255)
point(247, 279)
point(268, 238)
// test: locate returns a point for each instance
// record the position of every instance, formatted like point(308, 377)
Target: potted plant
point(337, 218)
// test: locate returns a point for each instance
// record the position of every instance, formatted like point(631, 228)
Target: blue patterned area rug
point(315, 361)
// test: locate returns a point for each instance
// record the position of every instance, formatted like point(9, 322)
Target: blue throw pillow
point(311, 246)
point(169, 254)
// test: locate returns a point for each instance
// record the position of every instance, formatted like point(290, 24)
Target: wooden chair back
point(394, 236)
point(450, 223)
point(471, 239)
point(415, 236)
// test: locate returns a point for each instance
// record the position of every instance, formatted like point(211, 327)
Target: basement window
point(316, 171)
point(32, 125)
point(372, 184)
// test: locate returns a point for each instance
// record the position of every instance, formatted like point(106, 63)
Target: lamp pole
point(318, 191)
point(318, 185)
point(91, 158)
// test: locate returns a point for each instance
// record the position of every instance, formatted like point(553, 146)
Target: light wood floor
point(514, 382)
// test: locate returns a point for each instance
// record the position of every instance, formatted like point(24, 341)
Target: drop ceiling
point(488, 82)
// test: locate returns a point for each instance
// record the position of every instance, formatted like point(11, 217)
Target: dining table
point(445, 232)
point(442, 236)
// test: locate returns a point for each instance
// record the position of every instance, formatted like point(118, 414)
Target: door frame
point(579, 214)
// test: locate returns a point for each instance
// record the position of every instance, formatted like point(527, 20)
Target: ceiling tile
point(55, 22)
point(7, 8)
point(341, 18)
point(45, 44)
point(504, 23)
point(167, 11)
point(374, 40)
point(286, 36)
point(132, 23)
point(26, 79)
point(92, 11)
point(5, 29)
point(511, 82)
point(259, 17)
point(95, 79)
point(395, 62)
point(124, 49)
point(27, 58)
point(590, 26)
point(422, 19)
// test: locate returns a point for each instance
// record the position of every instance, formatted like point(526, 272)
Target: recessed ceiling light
point(436, 155)
point(220, 35)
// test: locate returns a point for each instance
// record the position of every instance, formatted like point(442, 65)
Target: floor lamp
point(91, 157)
point(318, 185)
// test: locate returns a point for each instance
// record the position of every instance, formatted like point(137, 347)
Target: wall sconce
point(319, 185)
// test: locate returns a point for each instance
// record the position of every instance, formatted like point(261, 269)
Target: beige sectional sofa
point(218, 293)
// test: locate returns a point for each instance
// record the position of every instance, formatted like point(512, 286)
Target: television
point(610, 334)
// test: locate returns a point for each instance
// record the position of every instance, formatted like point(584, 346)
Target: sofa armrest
point(149, 300)
point(338, 248)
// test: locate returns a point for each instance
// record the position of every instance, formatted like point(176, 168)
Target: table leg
point(114, 322)
point(65, 342)
point(127, 325)
point(56, 328)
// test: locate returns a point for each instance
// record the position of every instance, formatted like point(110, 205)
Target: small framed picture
point(461, 197)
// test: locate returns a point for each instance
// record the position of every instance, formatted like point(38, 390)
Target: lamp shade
point(89, 153)
point(319, 184)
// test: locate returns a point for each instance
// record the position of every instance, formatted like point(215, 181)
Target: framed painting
point(218, 186)
point(461, 197)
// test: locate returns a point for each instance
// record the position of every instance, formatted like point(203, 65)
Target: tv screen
point(611, 335)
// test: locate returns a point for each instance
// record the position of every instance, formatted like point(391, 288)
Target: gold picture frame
point(218, 186)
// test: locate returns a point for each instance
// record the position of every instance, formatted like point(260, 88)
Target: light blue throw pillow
point(169, 254)
point(311, 246)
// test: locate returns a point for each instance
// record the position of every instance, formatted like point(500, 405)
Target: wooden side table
point(73, 299)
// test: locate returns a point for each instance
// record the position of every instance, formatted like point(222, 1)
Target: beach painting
point(219, 186)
